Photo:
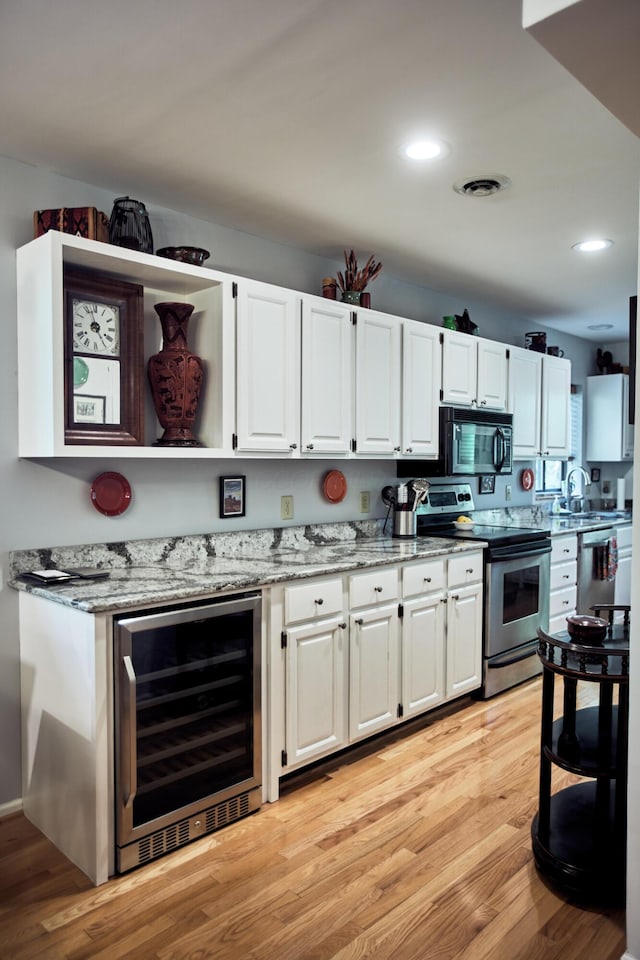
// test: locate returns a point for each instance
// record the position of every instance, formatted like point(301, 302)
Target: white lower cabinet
point(563, 579)
point(622, 590)
point(373, 670)
point(316, 684)
point(349, 656)
point(423, 636)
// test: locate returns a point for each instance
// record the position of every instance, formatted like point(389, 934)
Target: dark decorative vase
point(175, 375)
point(129, 225)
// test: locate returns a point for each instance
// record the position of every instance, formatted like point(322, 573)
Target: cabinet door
point(421, 373)
point(268, 369)
point(607, 417)
point(377, 383)
point(622, 588)
point(464, 640)
point(373, 670)
point(492, 375)
point(525, 401)
point(327, 377)
point(422, 654)
point(315, 689)
point(556, 412)
point(459, 368)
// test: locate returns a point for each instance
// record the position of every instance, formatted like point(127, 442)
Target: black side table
point(579, 833)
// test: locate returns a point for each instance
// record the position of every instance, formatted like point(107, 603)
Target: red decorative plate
point(526, 479)
point(335, 486)
point(110, 494)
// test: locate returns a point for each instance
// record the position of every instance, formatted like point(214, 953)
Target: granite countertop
point(554, 524)
point(172, 569)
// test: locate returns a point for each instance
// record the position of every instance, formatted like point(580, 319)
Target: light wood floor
point(416, 847)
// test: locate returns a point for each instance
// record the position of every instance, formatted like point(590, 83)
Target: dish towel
point(605, 560)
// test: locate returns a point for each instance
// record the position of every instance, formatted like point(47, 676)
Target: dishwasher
point(596, 568)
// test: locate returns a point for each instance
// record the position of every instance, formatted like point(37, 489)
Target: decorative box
point(81, 221)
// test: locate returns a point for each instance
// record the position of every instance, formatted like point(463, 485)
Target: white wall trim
point(7, 809)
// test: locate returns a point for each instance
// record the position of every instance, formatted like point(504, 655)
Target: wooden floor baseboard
point(415, 846)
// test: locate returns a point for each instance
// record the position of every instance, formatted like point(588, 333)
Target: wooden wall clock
point(103, 359)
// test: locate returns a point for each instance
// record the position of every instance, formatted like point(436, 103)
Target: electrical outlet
point(286, 507)
point(365, 501)
point(507, 492)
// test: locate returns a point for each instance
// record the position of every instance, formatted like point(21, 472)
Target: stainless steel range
point(516, 584)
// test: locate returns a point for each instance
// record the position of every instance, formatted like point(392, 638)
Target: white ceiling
point(284, 118)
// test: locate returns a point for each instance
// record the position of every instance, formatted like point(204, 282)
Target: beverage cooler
point(187, 724)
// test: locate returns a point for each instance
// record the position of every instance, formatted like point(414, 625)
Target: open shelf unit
point(40, 266)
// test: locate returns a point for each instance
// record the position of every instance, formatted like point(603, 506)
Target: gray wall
point(47, 503)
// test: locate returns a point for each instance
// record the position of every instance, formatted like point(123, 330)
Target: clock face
point(96, 327)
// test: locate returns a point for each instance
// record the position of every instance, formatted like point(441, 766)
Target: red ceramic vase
point(175, 375)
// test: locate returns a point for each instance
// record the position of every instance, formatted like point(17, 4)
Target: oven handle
point(130, 775)
point(515, 551)
point(530, 651)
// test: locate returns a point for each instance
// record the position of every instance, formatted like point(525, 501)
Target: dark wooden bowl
point(193, 255)
point(584, 629)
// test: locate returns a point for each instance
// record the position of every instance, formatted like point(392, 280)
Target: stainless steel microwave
point(472, 443)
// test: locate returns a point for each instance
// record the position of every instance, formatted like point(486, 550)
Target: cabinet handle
point(359, 621)
point(130, 773)
point(409, 450)
point(378, 589)
point(396, 449)
point(455, 596)
point(342, 626)
point(469, 570)
point(483, 403)
point(319, 601)
point(427, 579)
point(293, 446)
point(566, 550)
point(309, 446)
point(565, 576)
point(565, 603)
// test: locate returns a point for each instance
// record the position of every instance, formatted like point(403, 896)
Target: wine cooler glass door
point(187, 711)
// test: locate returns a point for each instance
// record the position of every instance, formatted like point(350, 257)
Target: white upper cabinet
point(327, 376)
point(540, 401)
point(377, 383)
point(421, 373)
point(474, 371)
point(268, 368)
point(555, 431)
point(492, 375)
point(525, 401)
point(609, 433)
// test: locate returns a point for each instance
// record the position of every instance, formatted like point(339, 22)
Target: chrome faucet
point(569, 495)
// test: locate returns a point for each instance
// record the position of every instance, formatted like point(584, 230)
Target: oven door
point(517, 596)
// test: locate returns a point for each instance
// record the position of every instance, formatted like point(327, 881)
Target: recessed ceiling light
point(592, 246)
point(426, 149)
point(600, 326)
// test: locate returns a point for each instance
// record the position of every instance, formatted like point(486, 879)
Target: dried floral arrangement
point(354, 279)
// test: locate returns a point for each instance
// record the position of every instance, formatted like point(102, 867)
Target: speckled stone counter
point(172, 569)
point(540, 518)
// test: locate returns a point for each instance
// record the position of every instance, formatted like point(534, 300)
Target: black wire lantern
point(129, 225)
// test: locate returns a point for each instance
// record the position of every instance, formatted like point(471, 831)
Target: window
point(551, 473)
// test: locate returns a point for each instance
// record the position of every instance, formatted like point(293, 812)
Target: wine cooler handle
point(130, 776)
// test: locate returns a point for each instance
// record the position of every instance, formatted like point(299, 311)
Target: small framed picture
point(232, 497)
point(88, 409)
point(487, 483)
point(595, 474)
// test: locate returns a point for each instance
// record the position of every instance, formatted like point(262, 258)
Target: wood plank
point(415, 844)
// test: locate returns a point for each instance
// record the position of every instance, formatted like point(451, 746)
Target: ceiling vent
point(482, 186)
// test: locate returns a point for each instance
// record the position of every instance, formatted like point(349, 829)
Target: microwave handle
point(499, 449)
